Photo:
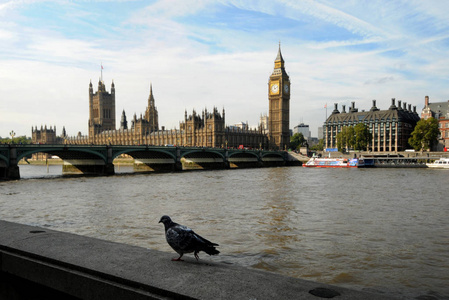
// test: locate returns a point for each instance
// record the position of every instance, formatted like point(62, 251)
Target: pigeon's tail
point(208, 246)
point(210, 249)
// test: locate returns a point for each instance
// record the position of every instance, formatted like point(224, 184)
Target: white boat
point(442, 163)
point(335, 163)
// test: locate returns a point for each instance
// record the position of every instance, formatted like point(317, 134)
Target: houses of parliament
point(205, 129)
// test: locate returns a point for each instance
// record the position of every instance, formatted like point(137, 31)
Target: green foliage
point(16, 140)
point(362, 136)
point(425, 134)
point(345, 138)
point(296, 141)
point(342, 139)
point(357, 137)
point(350, 137)
point(319, 146)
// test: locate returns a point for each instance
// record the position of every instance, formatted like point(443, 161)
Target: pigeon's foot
point(177, 259)
point(196, 256)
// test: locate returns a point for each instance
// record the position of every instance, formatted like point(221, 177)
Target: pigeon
point(183, 240)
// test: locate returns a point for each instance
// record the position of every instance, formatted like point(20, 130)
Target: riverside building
point(390, 129)
point(439, 111)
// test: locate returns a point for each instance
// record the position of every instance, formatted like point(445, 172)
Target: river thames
point(382, 230)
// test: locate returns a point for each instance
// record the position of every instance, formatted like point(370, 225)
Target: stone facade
point(101, 109)
point(279, 105)
point(439, 111)
point(205, 129)
point(45, 135)
point(390, 128)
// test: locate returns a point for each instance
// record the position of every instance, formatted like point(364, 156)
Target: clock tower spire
point(279, 105)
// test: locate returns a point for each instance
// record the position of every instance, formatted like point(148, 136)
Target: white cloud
point(175, 8)
point(194, 65)
point(6, 35)
point(4, 7)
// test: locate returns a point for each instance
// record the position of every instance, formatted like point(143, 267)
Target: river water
point(384, 230)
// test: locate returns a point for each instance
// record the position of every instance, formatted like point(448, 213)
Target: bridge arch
point(272, 155)
point(244, 154)
point(203, 152)
point(272, 158)
point(145, 153)
point(203, 159)
point(66, 153)
point(4, 159)
point(149, 159)
point(244, 159)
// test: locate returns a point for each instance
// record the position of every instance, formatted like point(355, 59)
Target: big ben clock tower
point(279, 105)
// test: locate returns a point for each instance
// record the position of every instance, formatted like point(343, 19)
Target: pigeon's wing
point(204, 241)
point(181, 238)
point(201, 244)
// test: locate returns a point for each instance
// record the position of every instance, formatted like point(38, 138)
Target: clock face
point(274, 88)
point(286, 88)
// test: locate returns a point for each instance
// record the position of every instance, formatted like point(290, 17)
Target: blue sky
point(201, 54)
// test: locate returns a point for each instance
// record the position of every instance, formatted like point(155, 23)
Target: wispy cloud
point(202, 54)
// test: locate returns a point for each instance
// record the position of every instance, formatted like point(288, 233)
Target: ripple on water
point(313, 224)
point(343, 278)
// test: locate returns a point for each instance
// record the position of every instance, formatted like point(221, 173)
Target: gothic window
point(106, 113)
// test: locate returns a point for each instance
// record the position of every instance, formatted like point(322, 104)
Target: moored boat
point(335, 163)
point(442, 163)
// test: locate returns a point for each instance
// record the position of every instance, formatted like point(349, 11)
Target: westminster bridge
point(98, 159)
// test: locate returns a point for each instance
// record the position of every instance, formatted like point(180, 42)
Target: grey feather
point(184, 240)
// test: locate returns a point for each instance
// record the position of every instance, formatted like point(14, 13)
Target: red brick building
point(440, 111)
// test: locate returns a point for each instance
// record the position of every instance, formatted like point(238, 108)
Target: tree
point(357, 137)
point(350, 139)
point(16, 140)
point(319, 146)
point(362, 136)
point(425, 134)
point(297, 140)
point(345, 138)
point(342, 138)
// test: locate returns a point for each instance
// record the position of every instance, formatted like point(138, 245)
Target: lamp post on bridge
point(12, 134)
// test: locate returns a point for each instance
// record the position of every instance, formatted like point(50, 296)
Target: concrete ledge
point(87, 268)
